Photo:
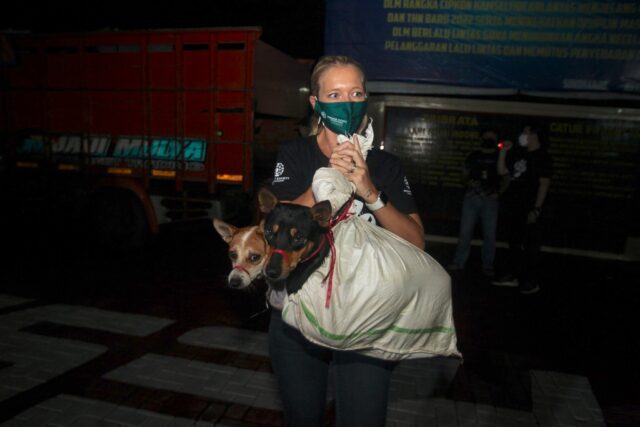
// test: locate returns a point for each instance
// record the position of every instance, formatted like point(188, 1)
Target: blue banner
point(524, 45)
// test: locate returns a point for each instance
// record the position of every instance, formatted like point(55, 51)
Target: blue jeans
point(361, 383)
point(474, 207)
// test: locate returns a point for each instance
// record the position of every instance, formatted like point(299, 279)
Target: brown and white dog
point(247, 252)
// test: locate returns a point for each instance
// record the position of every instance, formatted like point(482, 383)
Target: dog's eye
point(233, 255)
point(255, 257)
point(268, 233)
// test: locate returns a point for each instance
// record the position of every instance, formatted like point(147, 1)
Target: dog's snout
point(273, 269)
point(272, 272)
point(235, 282)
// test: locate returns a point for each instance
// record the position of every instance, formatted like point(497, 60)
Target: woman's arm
point(305, 199)
point(407, 226)
point(348, 159)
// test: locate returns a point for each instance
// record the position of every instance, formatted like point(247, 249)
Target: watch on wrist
point(380, 202)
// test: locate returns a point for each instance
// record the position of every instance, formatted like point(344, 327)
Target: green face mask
point(341, 117)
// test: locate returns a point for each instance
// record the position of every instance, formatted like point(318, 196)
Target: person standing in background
point(529, 168)
point(480, 202)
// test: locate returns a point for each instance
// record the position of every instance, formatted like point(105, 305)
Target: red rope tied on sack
point(344, 214)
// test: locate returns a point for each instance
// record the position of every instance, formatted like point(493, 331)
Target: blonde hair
point(323, 64)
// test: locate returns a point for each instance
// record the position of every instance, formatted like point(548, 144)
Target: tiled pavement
point(37, 356)
point(171, 347)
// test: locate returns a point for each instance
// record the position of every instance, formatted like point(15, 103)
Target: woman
point(339, 99)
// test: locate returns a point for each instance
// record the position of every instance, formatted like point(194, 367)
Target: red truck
point(141, 128)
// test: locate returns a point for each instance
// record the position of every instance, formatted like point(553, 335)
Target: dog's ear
point(267, 200)
point(226, 231)
point(321, 212)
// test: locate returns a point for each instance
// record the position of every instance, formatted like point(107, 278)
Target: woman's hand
point(348, 159)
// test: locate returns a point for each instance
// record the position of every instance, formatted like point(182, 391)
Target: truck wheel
point(117, 221)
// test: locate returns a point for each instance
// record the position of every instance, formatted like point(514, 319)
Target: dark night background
point(581, 323)
point(295, 27)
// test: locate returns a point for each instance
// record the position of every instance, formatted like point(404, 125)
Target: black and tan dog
point(298, 240)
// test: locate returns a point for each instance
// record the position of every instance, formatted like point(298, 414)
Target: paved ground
point(87, 338)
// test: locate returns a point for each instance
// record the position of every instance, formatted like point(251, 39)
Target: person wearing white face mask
point(529, 168)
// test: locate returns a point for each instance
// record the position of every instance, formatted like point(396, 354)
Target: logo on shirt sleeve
point(407, 188)
point(277, 173)
point(279, 170)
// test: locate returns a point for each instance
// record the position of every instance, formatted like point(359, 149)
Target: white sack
point(390, 299)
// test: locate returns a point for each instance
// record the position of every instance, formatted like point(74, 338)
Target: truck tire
point(117, 221)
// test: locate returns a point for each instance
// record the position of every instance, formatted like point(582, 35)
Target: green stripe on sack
point(394, 328)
